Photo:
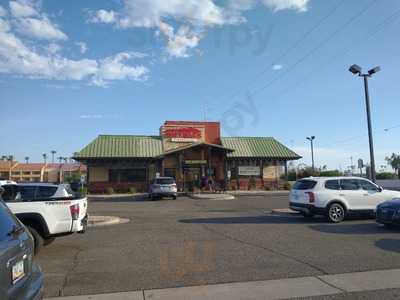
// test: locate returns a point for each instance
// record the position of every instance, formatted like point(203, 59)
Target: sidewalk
point(268, 289)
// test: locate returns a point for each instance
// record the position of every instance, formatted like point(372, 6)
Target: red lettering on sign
point(185, 133)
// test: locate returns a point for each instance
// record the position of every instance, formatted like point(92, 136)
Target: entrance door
point(192, 178)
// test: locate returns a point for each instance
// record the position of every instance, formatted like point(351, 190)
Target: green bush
point(132, 190)
point(385, 175)
point(287, 186)
point(83, 190)
point(110, 191)
point(267, 188)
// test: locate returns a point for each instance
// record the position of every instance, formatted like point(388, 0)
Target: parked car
point(20, 276)
point(163, 187)
point(388, 213)
point(47, 210)
point(336, 197)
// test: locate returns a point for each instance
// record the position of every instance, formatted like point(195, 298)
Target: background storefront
point(191, 152)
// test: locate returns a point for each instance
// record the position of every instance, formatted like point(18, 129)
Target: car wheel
point(48, 241)
point(37, 238)
point(336, 213)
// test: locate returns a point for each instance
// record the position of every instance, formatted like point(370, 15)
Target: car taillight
point(74, 209)
point(311, 197)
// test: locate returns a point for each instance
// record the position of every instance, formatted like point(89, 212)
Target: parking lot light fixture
point(357, 70)
point(311, 139)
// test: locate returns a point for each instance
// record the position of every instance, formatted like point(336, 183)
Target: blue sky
point(70, 70)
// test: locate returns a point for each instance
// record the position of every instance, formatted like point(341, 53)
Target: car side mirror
point(379, 189)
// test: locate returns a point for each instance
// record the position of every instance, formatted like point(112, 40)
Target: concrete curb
point(95, 221)
point(286, 288)
point(211, 196)
point(257, 193)
point(116, 195)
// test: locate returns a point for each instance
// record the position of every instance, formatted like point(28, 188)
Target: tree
point(394, 162)
point(27, 159)
point(60, 158)
point(53, 152)
point(44, 157)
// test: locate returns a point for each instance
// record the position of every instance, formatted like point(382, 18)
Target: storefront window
point(127, 175)
point(170, 172)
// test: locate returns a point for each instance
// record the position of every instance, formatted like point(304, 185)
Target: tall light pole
point(356, 70)
point(311, 139)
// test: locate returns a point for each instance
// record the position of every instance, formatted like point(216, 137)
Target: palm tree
point(394, 162)
point(53, 152)
point(4, 157)
point(60, 158)
point(44, 157)
point(65, 159)
point(27, 159)
point(10, 158)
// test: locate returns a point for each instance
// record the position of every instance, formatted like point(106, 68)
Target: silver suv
point(163, 187)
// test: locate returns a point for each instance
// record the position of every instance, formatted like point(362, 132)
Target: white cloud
point(114, 68)
point(18, 59)
point(29, 21)
point(180, 43)
point(4, 25)
point(276, 5)
point(39, 28)
point(98, 116)
point(192, 18)
point(104, 16)
point(277, 67)
point(82, 47)
point(3, 12)
point(54, 48)
point(23, 8)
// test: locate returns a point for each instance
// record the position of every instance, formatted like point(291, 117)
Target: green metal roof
point(257, 147)
point(109, 146)
point(120, 146)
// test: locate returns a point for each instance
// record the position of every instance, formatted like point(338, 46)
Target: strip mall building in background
point(189, 152)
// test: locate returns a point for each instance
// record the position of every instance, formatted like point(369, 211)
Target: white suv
point(336, 197)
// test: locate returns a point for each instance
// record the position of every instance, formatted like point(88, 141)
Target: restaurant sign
point(183, 133)
point(249, 171)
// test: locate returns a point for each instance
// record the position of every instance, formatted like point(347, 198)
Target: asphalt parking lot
point(186, 242)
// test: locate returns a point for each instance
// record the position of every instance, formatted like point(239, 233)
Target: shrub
point(287, 186)
point(132, 190)
point(83, 190)
point(110, 191)
point(267, 188)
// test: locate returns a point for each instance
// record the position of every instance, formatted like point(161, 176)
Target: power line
point(290, 49)
point(378, 28)
point(322, 43)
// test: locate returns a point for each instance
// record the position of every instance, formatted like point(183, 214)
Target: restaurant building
point(191, 152)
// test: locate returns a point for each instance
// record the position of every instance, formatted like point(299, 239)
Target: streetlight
point(311, 139)
point(356, 70)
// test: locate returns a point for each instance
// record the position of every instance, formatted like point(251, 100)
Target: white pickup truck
point(48, 210)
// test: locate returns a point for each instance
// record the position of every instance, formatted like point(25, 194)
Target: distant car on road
point(20, 277)
point(388, 213)
point(337, 197)
point(47, 210)
point(163, 187)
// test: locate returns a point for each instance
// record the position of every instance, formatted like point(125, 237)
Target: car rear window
point(7, 222)
point(165, 181)
point(44, 192)
point(332, 185)
point(304, 185)
point(26, 193)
